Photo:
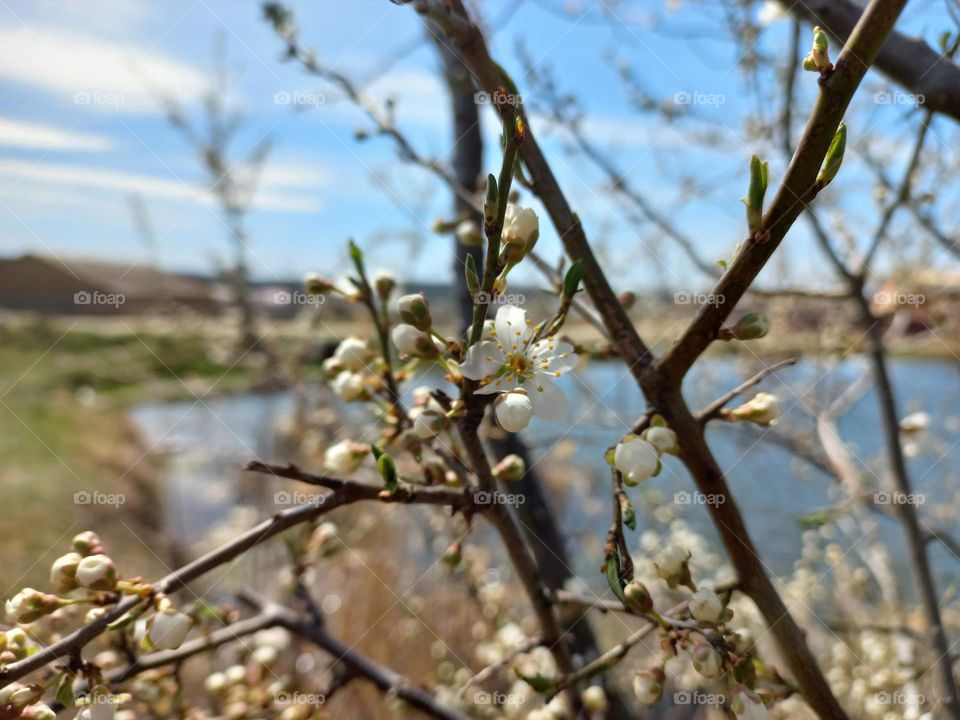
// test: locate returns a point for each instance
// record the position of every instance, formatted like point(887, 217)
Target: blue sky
point(80, 131)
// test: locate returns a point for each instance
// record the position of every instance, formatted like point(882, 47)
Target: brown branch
point(345, 493)
point(386, 680)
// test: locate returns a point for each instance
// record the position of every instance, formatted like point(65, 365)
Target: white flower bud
point(38, 712)
point(514, 410)
point(215, 683)
point(169, 628)
point(413, 342)
point(414, 310)
point(97, 572)
point(762, 409)
point(520, 226)
point(637, 459)
point(915, 422)
point(469, 234)
point(348, 386)
point(345, 457)
point(648, 685)
point(265, 655)
point(428, 424)
point(594, 699)
point(353, 353)
point(662, 438)
point(316, 285)
point(706, 660)
point(63, 572)
point(671, 562)
point(706, 606)
point(87, 543)
point(29, 605)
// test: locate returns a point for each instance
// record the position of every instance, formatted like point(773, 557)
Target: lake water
point(207, 442)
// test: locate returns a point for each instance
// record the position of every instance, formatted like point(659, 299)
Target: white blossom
point(511, 359)
point(670, 561)
point(63, 572)
point(763, 409)
point(662, 438)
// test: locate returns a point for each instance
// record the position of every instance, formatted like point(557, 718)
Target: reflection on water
point(208, 442)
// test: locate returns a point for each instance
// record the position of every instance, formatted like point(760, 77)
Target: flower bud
point(671, 565)
point(648, 685)
point(63, 572)
point(762, 409)
point(87, 543)
point(428, 424)
point(706, 660)
point(821, 49)
point(637, 459)
point(594, 700)
point(511, 468)
point(97, 572)
point(414, 343)
point(348, 386)
point(520, 227)
point(19, 696)
point(627, 299)
point(168, 629)
point(215, 683)
point(313, 284)
point(345, 457)
point(514, 410)
point(638, 597)
point(353, 353)
point(414, 310)
point(332, 367)
point(384, 283)
point(29, 605)
point(706, 607)
point(469, 234)
point(38, 711)
point(662, 438)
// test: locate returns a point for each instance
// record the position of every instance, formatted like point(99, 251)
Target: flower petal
point(483, 358)
point(549, 402)
point(512, 329)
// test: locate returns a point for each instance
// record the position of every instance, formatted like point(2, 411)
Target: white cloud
point(92, 72)
point(46, 137)
point(27, 176)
